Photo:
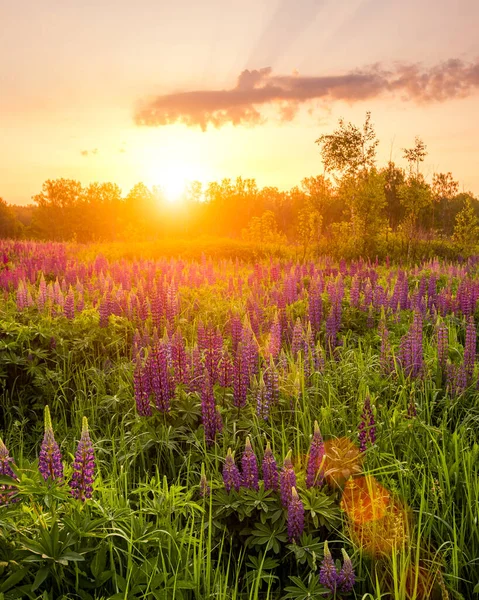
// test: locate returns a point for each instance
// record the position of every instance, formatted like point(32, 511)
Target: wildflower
point(50, 460)
point(84, 466)
point(270, 470)
point(6, 491)
point(231, 474)
point(287, 480)
point(470, 348)
point(442, 345)
point(204, 487)
point(211, 417)
point(346, 577)
point(249, 468)
point(295, 517)
point(314, 469)
point(328, 576)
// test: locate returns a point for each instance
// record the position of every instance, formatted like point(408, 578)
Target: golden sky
point(161, 92)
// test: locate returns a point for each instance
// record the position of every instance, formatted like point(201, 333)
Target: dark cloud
point(259, 88)
point(89, 152)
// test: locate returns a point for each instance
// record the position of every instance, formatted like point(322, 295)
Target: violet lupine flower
point(328, 576)
point(442, 345)
point(142, 388)
point(211, 418)
point(346, 577)
point(295, 517)
point(179, 359)
point(6, 491)
point(205, 489)
point(470, 348)
point(69, 306)
point(287, 480)
point(367, 427)
point(314, 469)
point(84, 466)
point(274, 345)
point(225, 369)
point(298, 336)
point(231, 474)
point(270, 470)
point(241, 377)
point(160, 377)
point(249, 468)
point(50, 460)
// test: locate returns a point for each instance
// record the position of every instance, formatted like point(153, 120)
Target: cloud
point(89, 152)
point(259, 88)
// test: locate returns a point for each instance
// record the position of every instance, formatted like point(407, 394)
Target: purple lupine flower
point(160, 377)
point(270, 470)
point(6, 491)
point(84, 466)
point(287, 480)
point(69, 306)
point(142, 388)
point(225, 369)
point(442, 345)
point(211, 418)
point(50, 460)
point(249, 467)
point(470, 348)
point(367, 426)
point(205, 489)
point(298, 336)
point(241, 377)
point(179, 359)
point(328, 576)
point(295, 517)
point(231, 474)
point(314, 469)
point(346, 577)
point(274, 345)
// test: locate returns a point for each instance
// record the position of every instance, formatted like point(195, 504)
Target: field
point(254, 430)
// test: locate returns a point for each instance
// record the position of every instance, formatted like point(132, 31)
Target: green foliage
point(466, 229)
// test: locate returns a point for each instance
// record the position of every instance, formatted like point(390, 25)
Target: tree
point(309, 227)
point(365, 197)
point(444, 189)
point(466, 229)
point(264, 230)
point(349, 148)
point(58, 213)
point(10, 226)
point(415, 155)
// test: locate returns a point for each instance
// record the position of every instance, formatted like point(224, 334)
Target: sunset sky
point(158, 91)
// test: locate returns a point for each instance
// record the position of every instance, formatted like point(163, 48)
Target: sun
point(173, 179)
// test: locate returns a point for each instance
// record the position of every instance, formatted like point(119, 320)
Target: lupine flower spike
point(249, 467)
point(314, 469)
point(6, 491)
point(84, 466)
point(204, 487)
point(270, 470)
point(328, 576)
point(295, 517)
point(346, 577)
point(231, 474)
point(287, 480)
point(50, 460)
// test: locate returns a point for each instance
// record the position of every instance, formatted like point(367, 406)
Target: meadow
point(215, 427)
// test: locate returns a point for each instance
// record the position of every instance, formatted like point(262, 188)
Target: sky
point(166, 92)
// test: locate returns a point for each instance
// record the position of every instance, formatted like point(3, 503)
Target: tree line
point(355, 208)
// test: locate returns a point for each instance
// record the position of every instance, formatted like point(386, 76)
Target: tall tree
point(349, 148)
